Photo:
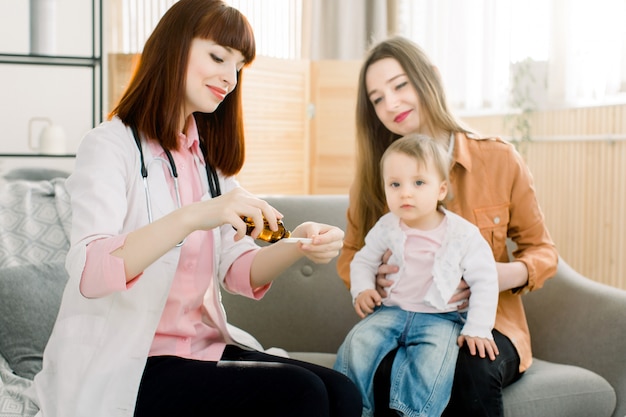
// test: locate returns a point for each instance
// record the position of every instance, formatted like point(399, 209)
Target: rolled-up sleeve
point(104, 273)
point(237, 279)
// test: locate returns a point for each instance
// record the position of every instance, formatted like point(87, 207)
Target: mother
point(400, 92)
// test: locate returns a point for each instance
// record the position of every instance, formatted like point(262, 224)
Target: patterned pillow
point(34, 222)
point(13, 402)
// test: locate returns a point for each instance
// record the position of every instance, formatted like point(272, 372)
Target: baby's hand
point(480, 345)
point(366, 302)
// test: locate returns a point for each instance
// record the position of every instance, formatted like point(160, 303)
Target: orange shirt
point(492, 188)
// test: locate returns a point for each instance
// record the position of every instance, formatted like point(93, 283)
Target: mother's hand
point(461, 295)
point(382, 283)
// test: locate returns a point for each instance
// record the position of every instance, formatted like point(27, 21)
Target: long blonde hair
point(373, 137)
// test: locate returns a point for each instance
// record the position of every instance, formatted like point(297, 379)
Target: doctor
point(156, 229)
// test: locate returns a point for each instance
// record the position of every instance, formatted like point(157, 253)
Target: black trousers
point(477, 386)
point(244, 383)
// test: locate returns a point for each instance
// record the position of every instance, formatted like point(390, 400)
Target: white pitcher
point(52, 139)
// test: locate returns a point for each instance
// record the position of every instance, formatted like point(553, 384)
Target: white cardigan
point(96, 354)
point(464, 253)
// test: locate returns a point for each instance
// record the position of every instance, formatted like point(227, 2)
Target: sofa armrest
point(574, 320)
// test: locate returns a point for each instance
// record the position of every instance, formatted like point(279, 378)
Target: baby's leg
point(423, 370)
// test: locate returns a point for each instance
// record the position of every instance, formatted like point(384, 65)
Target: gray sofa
point(577, 325)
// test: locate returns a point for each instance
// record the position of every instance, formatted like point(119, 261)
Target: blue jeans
point(423, 370)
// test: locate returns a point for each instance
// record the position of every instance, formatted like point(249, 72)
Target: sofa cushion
point(318, 358)
point(554, 390)
point(30, 296)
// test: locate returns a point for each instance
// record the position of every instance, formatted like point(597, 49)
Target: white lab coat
point(96, 354)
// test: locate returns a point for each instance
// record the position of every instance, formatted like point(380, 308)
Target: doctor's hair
point(154, 98)
point(425, 151)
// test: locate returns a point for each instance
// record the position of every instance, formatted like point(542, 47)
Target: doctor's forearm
point(272, 260)
point(147, 244)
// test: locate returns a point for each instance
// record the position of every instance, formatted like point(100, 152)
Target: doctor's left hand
point(326, 242)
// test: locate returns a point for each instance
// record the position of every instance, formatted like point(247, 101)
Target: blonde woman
point(399, 93)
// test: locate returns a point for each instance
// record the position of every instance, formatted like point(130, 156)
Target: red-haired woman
point(157, 229)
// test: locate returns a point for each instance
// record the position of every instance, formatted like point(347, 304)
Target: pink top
point(419, 254)
point(181, 331)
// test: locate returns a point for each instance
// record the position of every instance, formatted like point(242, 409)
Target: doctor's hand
point(230, 207)
point(326, 241)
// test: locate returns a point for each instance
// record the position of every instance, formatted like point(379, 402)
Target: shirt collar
point(189, 140)
point(461, 154)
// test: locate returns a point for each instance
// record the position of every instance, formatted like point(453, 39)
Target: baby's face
point(412, 189)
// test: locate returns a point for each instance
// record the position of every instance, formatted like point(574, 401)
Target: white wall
point(63, 94)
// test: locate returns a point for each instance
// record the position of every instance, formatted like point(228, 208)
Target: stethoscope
point(213, 179)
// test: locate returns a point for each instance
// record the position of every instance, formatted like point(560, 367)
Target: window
point(573, 53)
point(569, 52)
point(277, 24)
point(132, 22)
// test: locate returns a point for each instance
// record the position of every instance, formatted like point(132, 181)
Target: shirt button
point(496, 220)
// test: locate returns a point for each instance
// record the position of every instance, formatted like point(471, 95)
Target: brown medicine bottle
point(267, 234)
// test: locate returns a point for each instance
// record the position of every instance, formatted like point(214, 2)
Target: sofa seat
point(546, 389)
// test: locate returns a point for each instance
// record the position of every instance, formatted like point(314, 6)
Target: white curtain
point(277, 24)
point(131, 22)
point(464, 39)
point(345, 29)
point(573, 51)
point(588, 52)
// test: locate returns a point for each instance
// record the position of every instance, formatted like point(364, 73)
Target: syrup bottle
point(268, 235)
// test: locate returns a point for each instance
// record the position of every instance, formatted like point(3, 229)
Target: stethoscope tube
point(211, 174)
point(212, 177)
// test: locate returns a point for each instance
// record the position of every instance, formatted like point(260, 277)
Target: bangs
point(229, 28)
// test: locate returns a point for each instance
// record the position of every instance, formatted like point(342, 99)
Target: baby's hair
point(425, 151)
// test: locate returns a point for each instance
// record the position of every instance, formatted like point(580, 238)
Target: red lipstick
point(219, 92)
point(399, 118)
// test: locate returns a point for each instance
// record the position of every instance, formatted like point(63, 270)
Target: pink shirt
point(186, 329)
point(419, 254)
